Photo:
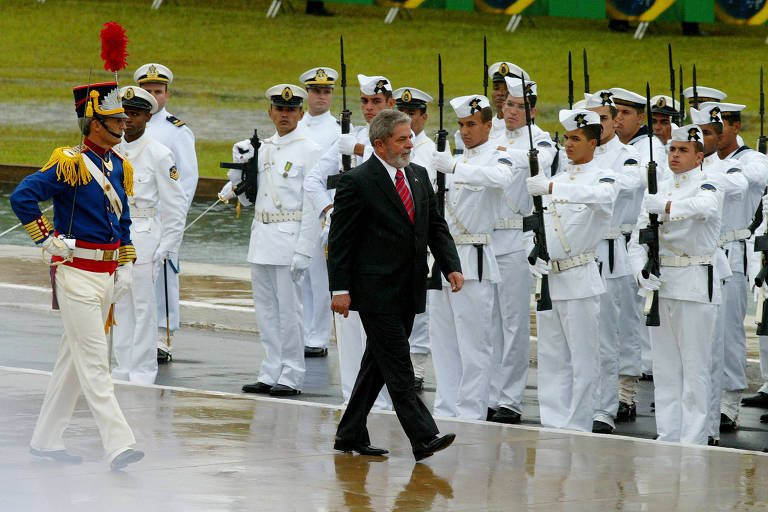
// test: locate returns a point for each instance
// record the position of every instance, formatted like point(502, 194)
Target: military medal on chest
point(287, 168)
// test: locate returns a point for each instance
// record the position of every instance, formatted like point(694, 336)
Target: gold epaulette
point(70, 167)
point(126, 254)
point(39, 229)
point(127, 174)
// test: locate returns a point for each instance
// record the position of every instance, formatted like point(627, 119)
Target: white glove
point(537, 185)
point(324, 234)
point(123, 282)
point(242, 151)
point(653, 282)
point(655, 203)
point(540, 268)
point(442, 161)
point(765, 206)
point(56, 247)
point(299, 264)
point(347, 144)
point(227, 192)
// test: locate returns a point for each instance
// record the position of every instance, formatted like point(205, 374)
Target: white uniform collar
point(160, 115)
point(327, 113)
point(420, 139)
point(288, 137)
point(578, 168)
point(128, 146)
point(684, 177)
point(513, 134)
point(612, 145)
point(710, 160)
point(485, 146)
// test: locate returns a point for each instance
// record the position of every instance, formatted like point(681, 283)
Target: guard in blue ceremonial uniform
point(91, 257)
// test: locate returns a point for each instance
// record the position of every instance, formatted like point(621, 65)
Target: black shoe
point(363, 449)
point(727, 424)
point(618, 25)
point(764, 418)
point(758, 400)
point(711, 441)
point(257, 387)
point(425, 449)
point(315, 351)
point(647, 377)
point(163, 357)
point(57, 455)
point(626, 412)
point(653, 406)
point(508, 416)
point(692, 29)
point(489, 414)
point(601, 427)
point(283, 390)
point(316, 8)
point(129, 456)
point(418, 384)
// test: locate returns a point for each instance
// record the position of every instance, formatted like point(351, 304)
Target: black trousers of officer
point(386, 360)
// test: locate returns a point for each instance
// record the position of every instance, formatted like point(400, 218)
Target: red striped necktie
point(405, 194)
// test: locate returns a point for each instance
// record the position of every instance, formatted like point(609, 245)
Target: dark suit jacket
point(375, 251)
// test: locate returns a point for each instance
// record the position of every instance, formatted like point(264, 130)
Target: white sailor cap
point(136, 97)
point(627, 98)
point(410, 97)
point(578, 118)
point(515, 87)
point(666, 105)
point(465, 106)
point(704, 94)
point(708, 112)
point(730, 110)
point(286, 95)
point(319, 77)
point(499, 70)
point(601, 98)
point(580, 104)
point(374, 84)
point(153, 73)
point(688, 133)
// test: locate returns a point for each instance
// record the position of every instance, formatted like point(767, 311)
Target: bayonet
point(570, 81)
point(650, 234)
point(485, 66)
point(586, 72)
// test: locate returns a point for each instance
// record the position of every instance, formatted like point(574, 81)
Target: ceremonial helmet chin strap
point(102, 123)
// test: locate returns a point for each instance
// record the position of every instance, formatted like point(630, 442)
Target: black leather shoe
point(57, 455)
point(727, 424)
point(764, 418)
point(618, 25)
point(508, 416)
point(129, 456)
point(489, 413)
point(315, 351)
point(163, 357)
point(418, 384)
point(758, 400)
point(283, 390)
point(626, 412)
point(647, 377)
point(601, 427)
point(711, 441)
point(362, 449)
point(425, 449)
point(257, 387)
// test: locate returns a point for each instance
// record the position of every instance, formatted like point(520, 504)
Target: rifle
point(435, 282)
point(761, 242)
point(586, 72)
point(650, 234)
point(346, 115)
point(570, 82)
point(485, 67)
point(672, 82)
point(695, 90)
point(535, 221)
point(761, 147)
point(682, 96)
point(556, 160)
point(249, 184)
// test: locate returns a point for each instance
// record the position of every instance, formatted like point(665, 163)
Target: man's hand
point(457, 281)
point(227, 192)
point(655, 203)
point(299, 263)
point(538, 185)
point(242, 151)
point(340, 304)
point(347, 144)
point(442, 161)
point(540, 268)
point(651, 283)
point(56, 247)
point(123, 282)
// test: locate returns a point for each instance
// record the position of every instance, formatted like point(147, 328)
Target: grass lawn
point(226, 56)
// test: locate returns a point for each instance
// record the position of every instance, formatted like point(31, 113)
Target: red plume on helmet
point(113, 45)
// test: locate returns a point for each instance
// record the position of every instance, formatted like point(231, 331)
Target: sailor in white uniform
point(283, 236)
point(176, 136)
point(700, 94)
point(156, 188)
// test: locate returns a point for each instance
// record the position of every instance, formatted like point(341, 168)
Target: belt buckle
point(108, 255)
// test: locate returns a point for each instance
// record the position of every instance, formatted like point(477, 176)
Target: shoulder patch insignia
point(175, 121)
point(505, 161)
point(174, 172)
point(733, 170)
point(607, 180)
point(630, 161)
point(544, 144)
point(708, 186)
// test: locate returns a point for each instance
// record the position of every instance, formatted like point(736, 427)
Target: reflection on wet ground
point(213, 452)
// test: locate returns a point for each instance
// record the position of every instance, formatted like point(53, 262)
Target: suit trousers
point(386, 360)
point(318, 318)
point(84, 299)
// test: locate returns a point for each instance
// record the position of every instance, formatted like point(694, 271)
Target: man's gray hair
point(383, 125)
point(85, 125)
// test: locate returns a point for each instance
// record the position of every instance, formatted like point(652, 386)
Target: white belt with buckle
point(685, 261)
point(143, 213)
point(613, 234)
point(472, 239)
point(509, 223)
point(272, 217)
point(95, 254)
point(731, 236)
point(574, 261)
point(627, 228)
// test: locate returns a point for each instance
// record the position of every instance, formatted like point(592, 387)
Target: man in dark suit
point(385, 215)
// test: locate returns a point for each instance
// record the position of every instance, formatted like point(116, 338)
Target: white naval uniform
point(318, 318)
point(350, 335)
point(283, 164)
point(577, 214)
point(620, 317)
point(176, 136)
point(460, 323)
point(157, 189)
point(733, 185)
point(423, 147)
point(682, 343)
point(511, 326)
